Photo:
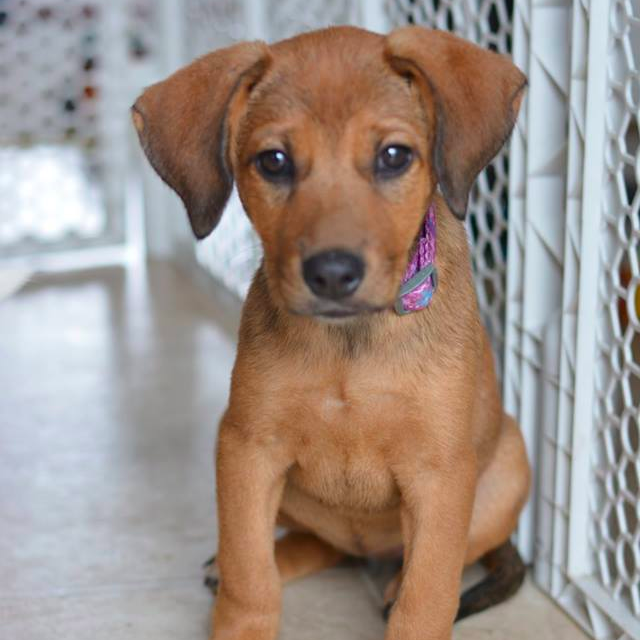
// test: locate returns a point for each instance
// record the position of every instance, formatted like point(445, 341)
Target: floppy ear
point(183, 128)
point(476, 94)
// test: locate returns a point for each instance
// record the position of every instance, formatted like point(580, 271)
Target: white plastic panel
point(588, 504)
point(544, 228)
point(615, 450)
point(559, 365)
point(517, 215)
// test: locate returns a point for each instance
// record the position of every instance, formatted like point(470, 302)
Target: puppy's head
point(337, 140)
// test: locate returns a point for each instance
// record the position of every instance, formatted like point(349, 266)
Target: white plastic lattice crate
point(615, 449)
point(575, 384)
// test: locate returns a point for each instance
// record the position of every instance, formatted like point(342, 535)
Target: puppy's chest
point(344, 477)
point(343, 444)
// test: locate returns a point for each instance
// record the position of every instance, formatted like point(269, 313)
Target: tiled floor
point(111, 384)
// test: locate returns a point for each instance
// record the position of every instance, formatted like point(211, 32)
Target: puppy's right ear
point(183, 127)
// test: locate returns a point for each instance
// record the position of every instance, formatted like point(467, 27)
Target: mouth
point(330, 312)
point(337, 314)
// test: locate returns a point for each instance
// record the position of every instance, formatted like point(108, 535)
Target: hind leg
point(501, 493)
point(298, 554)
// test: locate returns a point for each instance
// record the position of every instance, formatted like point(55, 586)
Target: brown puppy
point(362, 431)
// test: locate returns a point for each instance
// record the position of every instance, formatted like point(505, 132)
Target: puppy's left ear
point(183, 126)
point(476, 95)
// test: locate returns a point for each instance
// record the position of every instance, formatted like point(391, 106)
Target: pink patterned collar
point(421, 277)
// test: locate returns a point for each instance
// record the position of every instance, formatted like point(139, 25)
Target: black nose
point(333, 274)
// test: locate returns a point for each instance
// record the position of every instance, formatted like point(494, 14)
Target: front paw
point(231, 622)
point(405, 627)
point(246, 632)
point(414, 633)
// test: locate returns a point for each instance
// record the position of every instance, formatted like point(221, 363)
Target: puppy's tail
point(506, 573)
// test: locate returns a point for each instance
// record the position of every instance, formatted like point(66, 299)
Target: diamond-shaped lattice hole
point(619, 18)
point(600, 458)
point(607, 566)
point(632, 257)
point(609, 526)
point(623, 316)
point(490, 173)
point(620, 270)
point(609, 326)
point(630, 517)
point(634, 313)
point(630, 182)
point(617, 359)
point(625, 228)
point(630, 479)
point(489, 289)
point(631, 436)
point(487, 254)
point(599, 495)
point(490, 221)
point(600, 409)
point(613, 446)
point(473, 228)
point(613, 485)
point(633, 91)
point(495, 22)
point(615, 398)
point(626, 561)
point(632, 387)
point(632, 138)
point(451, 23)
point(494, 18)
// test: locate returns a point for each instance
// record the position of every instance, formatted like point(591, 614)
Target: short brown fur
point(379, 434)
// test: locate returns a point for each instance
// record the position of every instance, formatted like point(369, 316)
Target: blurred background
point(105, 296)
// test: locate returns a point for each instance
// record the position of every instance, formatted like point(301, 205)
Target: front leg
point(437, 502)
point(250, 475)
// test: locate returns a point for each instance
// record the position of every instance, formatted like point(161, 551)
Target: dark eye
point(393, 160)
point(274, 165)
